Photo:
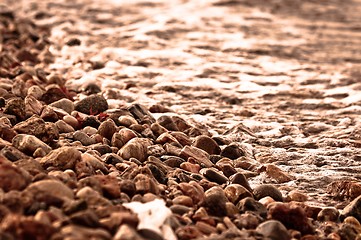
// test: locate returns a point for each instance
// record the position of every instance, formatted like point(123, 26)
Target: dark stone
point(214, 176)
point(73, 42)
point(92, 105)
point(207, 144)
point(273, 230)
point(232, 151)
point(265, 190)
point(52, 95)
point(239, 178)
point(141, 113)
point(352, 209)
point(250, 204)
point(16, 107)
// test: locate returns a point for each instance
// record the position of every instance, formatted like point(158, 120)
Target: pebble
point(328, 214)
point(12, 177)
point(200, 156)
point(35, 91)
point(250, 204)
point(125, 232)
point(265, 190)
point(53, 94)
point(207, 144)
point(127, 121)
point(145, 184)
point(213, 175)
point(277, 174)
point(50, 114)
point(232, 151)
point(135, 148)
point(64, 127)
point(215, 201)
point(291, 215)
point(352, 209)
point(93, 104)
point(141, 113)
point(236, 192)
point(274, 230)
point(107, 129)
point(65, 104)
point(6, 132)
point(240, 179)
point(29, 144)
point(120, 138)
point(62, 158)
point(32, 106)
point(16, 107)
point(51, 188)
point(45, 131)
point(83, 138)
point(296, 196)
point(182, 138)
point(194, 191)
point(183, 200)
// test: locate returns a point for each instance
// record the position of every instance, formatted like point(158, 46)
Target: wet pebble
point(296, 196)
point(120, 138)
point(352, 209)
point(93, 104)
point(240, 179)
point(127, 121)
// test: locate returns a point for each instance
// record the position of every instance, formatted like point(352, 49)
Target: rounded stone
point(207, 144)
point(236, 192)
point(232, 151)
point(51, 187)
point(328, 214)
point(135, 148)
point(274, 230)
point(107, 129)
point(62, 158)
point(65, 104)
point(215, 201)
point(265, 190)
point(29, 144)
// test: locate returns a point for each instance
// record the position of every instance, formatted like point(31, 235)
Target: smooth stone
point(35, 91)
point(53, 94)
point(328, 214)
point(215, 201)
point(172, 161)
point(64, 127)
point(92, 197)
point(72, 121)
point(127, 121)
point(65, 104)
point(79, 232)
point(120, 138)
point(274, 230)
point(296, 196)
point(93, 104)
point(250, 204)
point(265, 190)
point(183, 200)
point(62, 158)
point(352, 209)
point(135, 148)
point(207, 144)
point(213, 175)
point(190, 167)
point(167, 138)
point(232, 151)
point(180, 209)
point(236, 192)
point(157, 129)
point(29, 144)
point(125, 232)
point(182, 138)
point(83, 138)
point(239, 178)
point(193, 190)
point(107, 129)
point(277, 174)
point(53, 188)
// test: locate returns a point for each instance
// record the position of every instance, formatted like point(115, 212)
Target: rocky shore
point(95, 156)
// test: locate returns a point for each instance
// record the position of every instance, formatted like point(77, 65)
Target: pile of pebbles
point(71, 167)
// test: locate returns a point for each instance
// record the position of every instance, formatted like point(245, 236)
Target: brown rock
point(352, 209)
point(93, 105)
point(239, 178)
point(145, 184)
point(79, 232)
point(53, 94)
point(200, 156)
point(12, 177)
point(107, 129)
point(265, 190)
point(127, 121)
point(62, 158)
point(193, 190)
point(29, 144)
point(291, 215)
point(232, 151)
point(65, 104)
point(236, 192)
point(277, 174)
point(135, 148)
point(141, 113)
point(273, 229)
point(207, 144)
point(249, 204)
point(21, 227)
point(125, 232)
point(215, 201)
point(328, 214)
point(183, 200)
point(52, 188)
point(213, 175)
point(32, 106)
point(122, 137)
point(16, 107)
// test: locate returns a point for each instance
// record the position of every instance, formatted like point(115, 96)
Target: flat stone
point(135, 148)
point(200, 156)
point(29, 144)
point(65, 104)
point(52, 188)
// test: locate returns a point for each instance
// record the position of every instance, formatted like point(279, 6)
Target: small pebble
point(93, 104)
point(265, 190)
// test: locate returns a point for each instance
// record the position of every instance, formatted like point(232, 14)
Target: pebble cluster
point(69, 167)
